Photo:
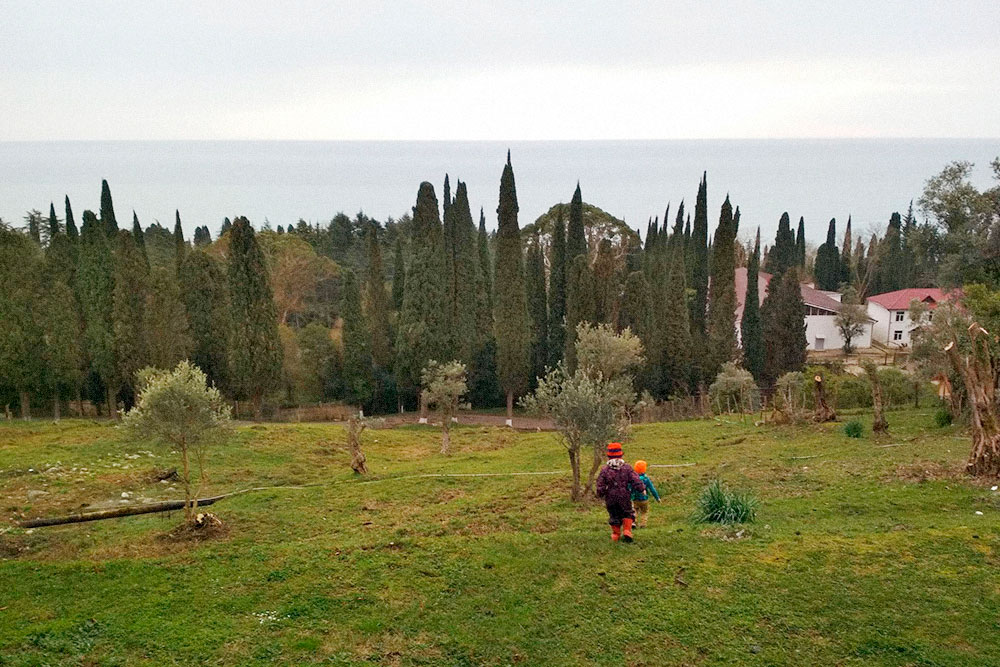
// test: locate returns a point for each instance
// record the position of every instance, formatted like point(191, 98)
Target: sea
point(280, 182)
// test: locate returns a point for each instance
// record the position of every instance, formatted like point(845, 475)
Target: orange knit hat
point(640, 467)
point(615, 450)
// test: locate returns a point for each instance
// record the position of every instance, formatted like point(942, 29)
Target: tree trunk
point(879, 423)
point(354, 429)
point(258, 407)
point(445, 434)
point(79, 403)
point(423, 409)
point(980, 379)
point(574, 464)
point(25, 406)
point(823, 413)
point(188, 505)
point(113, 403)
point(510, 408)
point(599, 454)
point(56, 405)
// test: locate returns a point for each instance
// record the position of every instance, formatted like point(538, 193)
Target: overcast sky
point(498, 69)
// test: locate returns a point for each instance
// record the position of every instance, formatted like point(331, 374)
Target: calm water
point(284, 181)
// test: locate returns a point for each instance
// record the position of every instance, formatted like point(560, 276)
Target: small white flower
point(993, 488)
point(978, 513)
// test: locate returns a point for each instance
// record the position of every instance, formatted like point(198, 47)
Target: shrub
point(854, 429)
point(734, 390)
point(942, 417)
point(717, 504)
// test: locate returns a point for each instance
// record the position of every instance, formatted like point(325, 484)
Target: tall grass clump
point(854, 429)
point(942, 417)
point(717, 504)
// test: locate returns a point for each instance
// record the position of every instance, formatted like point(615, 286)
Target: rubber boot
point(616, 533)
point(626, 530)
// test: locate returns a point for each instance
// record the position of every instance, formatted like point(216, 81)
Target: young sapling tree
point(443, 385)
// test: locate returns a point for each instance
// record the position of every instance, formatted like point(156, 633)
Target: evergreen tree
point(721, 328)
point(677, 233)
point(22, 368)
point(751, 333)
point(846, 261)
point(782, 255)
point(890, 270)
point(537, 308)
point(557, 293)
point(206, 300)
point(484, 384)
point(784, 325)
point(677, 366)
point(95, 286)
point(34, 220)
point(140, 239)
point(71, 230)
point(255, 351)
point(800, 243)
point(170, 340)
point(446, 201)
point(633, 253)
point(358, 377)
point(576, 235)
point(828, 271)
point(180, 245)
point(606, 285)
point(636, 314)
point(377, 308)
point(461, 260)
point(63, 352)
point(485, 263)
point(698, 258)
point(108, 220)
point(54, 221)
point(226, 226)
point(128, 323)
point(579, 304)
point(422, 333)
point(510, 301)
point(398, 273)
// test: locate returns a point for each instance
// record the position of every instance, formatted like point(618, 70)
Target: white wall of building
point(892, 327)
point(822, 334)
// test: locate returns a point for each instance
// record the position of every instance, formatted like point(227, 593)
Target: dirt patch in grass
point(928, 471)
point(13, 546)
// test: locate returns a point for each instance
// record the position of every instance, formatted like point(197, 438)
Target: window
point(899, 315)
point(897, 335)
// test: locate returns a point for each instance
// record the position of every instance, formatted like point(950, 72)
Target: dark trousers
point(618, 512)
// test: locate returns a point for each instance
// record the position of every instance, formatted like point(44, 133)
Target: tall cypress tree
point(71, 230)
point(636, 314)
point(846, 261)
point(721, 328)
point(800, 243)
point(358, 377)
point(461, 259)
point(95, 286)
point(206, 299)
point(140, 238)
point(180, 245)
point(784, 326)
point(579, 304)
point(108, 220)
point(751, 333)
point(699, 259)
point(398, 273)
point(377, 302)
point(510, 305)
point(446, 201)
point(828, 272)
point(166, 317)
point(128, 321)
point(423, 319)
point(22, 368)
point(53, 222)
point(484, 384)
point(677, 365)
point(538, 315)
point(783, 255)
point(485, 264)
point(557, 293)
point(606, 283)
point(226, 226)
point(255, 351)
point(576, 235)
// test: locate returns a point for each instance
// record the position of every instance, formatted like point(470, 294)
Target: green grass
point(861, 554)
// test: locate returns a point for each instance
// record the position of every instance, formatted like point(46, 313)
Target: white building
point(891, 312)
point(821, 312)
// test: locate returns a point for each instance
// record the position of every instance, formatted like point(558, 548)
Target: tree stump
point(880, 425)
point(823, 412)
point(355, 427)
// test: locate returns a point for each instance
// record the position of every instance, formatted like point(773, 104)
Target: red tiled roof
point(810, 295)
point(900, 299)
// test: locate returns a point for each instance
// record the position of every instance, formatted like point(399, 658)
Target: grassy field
point(862, 554)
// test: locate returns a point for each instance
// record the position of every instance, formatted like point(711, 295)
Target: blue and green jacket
point(648, 483)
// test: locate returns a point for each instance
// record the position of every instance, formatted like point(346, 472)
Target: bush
point(854, 429)
point(942, 417)
point(717, 504)
point(734, 390)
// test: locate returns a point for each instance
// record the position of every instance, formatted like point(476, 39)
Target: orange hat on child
point(615, 450)
point(640, 467)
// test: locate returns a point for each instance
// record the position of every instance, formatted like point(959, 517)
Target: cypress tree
point(33, 219)
point(677, 234)
point(677, 366)
point(576, 235)
point(140, 239)
point(721, 328)
point(128, 321)
point(800, 243)
point(636, 314)
point(21, 334)
point(633, 253)
point(699, 259)
point(53, 222)
point(484, 384)
point(226, 226)
point(206, 300)
point(485, 264)
point(180, 245)
point(108, 220)
point(782, 255)
point(422, 333)
point(751, 333)
point(828, 271)
point(376, 302)
point(579, 304)
point(398, 273)
point(358, 377)
point(606, 286)
point(461, 260)
point(557, 293)
point(510, 301)
point(846, 262)
point(63, 352)
point(255, 351)
point(538, 315)
point(170, 339)
point(784, 326)
point(95, 285)
point(446, 200)
point(71, 230)
point(890, 269)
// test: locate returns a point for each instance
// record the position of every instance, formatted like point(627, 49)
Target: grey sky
point(497, 70)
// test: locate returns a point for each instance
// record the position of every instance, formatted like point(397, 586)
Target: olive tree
point(443, 385)
point(176, 408)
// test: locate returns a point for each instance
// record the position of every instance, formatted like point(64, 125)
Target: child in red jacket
point(615, 485)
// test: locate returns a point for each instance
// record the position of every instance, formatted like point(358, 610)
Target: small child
point(640, 499)
point(616, 484)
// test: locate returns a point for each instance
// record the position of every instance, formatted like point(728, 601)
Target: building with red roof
point(891, 312)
